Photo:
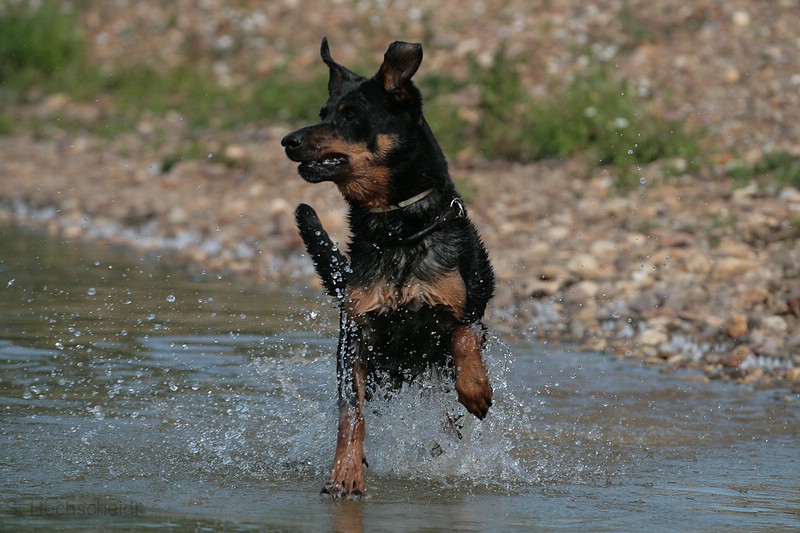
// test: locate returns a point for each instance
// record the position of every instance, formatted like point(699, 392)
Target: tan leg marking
point(472, 378)
point(346, 481)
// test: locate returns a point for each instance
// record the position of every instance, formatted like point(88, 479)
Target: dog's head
point(369, 128)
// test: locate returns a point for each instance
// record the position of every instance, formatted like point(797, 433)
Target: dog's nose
point(293, 140)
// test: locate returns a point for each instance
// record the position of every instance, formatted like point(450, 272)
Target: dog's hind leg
point(330, 263)
point(472, 378)
point(346, 481)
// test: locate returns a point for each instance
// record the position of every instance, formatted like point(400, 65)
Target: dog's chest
point(385, 296)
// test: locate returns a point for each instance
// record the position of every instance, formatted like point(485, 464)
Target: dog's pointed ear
point(339, 74)
point(400, 63)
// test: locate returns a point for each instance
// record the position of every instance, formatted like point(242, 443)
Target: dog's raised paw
point(472, 377)
point(474, 392)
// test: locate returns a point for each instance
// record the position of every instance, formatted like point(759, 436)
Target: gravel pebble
point(682, 271)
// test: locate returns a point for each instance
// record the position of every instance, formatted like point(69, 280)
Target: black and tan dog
point(417, 280)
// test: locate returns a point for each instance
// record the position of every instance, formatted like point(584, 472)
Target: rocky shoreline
point(680, 272)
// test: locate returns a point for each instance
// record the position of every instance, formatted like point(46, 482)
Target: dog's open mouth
point(329, 161)
point(319, 169)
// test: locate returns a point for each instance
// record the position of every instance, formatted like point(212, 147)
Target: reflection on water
point(132, 397)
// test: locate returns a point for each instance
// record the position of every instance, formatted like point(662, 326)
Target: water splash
point(418, 434)
point(264, 409)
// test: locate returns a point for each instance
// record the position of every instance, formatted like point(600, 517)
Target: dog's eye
point(348, 114)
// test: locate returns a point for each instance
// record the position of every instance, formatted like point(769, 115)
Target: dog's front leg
point(472, 378)
point(346, 481)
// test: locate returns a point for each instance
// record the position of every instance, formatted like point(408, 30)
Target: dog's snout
point(293, 140)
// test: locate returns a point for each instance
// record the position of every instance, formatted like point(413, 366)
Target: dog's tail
point(329, 262)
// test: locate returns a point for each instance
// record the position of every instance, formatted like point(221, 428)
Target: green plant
point(186, 151)
point(6, 124)
point(450, 129)
point(635, 28)
point(185, 89)
point(503, 100)
point(281, 96)
point(647, 227)
point(42, 48)
point(465, 189)
point(593, 115)
point(37, 38)
point(779, 167)
point(193, 92)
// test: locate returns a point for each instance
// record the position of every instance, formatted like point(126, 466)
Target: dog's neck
point(405, 203)
point(454, 211)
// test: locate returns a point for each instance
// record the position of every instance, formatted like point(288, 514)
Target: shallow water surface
point(132, 397)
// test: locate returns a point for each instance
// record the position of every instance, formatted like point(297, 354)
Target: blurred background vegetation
point(43, 52)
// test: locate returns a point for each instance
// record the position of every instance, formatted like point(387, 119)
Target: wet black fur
point(358, 110)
